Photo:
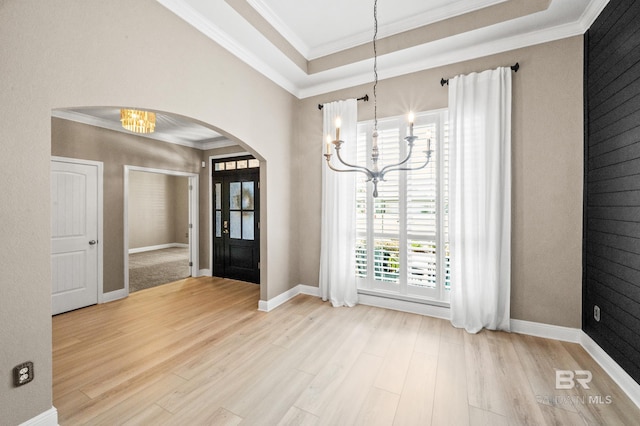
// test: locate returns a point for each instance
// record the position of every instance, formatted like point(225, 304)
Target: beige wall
point(151, 210)
point(71, 54)
point(158, 209)
point(547, 170)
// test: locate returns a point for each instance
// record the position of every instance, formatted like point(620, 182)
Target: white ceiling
point(324, 27)
point(321, 28)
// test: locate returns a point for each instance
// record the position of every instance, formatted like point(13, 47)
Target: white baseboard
point(548, 331)
point(204, 273)
point(113, 295)
point(157, 247)
point(48, 418)
point(624, 380)
point(575, 335)
point(309, 290)
point(404, 306)
point(271, 304)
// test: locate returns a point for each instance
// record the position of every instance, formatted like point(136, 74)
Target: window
point(402, 235)
point(245, 163)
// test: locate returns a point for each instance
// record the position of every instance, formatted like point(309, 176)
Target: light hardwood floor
point(197, 352)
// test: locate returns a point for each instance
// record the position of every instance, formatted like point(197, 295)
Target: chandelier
point(138, 121)
point(375, 174)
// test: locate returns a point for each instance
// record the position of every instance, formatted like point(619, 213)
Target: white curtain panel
point(338, 238)
point(480, 199)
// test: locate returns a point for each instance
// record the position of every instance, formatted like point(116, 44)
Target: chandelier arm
point(408, 169)
point(390, 166)
point(357, 170)
point(361, 168)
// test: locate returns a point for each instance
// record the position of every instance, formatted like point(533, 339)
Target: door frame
point(194, 217)
point(210, 192)
point(100, 194)
point(236, 257)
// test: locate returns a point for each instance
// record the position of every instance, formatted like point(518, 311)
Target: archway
point(94, 133)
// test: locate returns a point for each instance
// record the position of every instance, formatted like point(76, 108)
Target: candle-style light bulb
point(328, 144)
point(338, 124)
point(412, 117)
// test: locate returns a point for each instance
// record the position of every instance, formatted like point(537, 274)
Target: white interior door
point(74, 235)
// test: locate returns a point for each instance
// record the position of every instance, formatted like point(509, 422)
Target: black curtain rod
point(364, 98)
point(514, 68)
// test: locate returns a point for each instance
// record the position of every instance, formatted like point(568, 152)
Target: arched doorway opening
point(180, 146)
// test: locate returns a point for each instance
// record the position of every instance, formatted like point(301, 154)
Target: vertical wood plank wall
point(611, 278)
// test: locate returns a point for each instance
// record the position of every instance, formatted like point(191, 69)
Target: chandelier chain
point(375, 65)
point(375, 174)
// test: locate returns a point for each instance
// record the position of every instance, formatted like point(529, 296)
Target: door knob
point(92, 242)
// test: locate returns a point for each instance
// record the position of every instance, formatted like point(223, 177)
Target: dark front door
point(236, 233)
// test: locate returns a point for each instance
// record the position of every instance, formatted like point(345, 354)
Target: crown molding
point(199, 22)
point(473, 51)
point(591, 13)
point(274, 20)
point(454, 49)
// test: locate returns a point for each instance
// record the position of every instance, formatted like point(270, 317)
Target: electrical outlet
point(23, 373)
point(596, 313)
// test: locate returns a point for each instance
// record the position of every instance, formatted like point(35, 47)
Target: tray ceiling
point(313, 47)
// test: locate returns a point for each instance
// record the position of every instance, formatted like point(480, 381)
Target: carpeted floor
point(152, 268)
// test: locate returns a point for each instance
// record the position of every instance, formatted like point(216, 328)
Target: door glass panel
point(234, 195)
point(218, 224)
point(254, 163)
point(247, 195)
point(242, 164)
point(219, 167)
point(230, 165)
point(235, 227)
point(247, 225)
point(218, 196)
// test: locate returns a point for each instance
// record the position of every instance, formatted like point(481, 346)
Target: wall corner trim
point(628, 385)
point(48, 418)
